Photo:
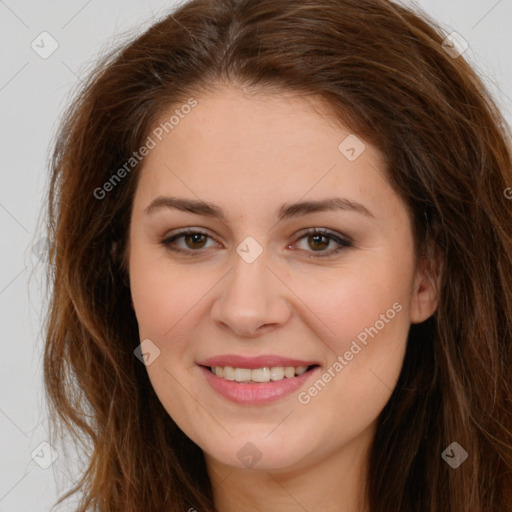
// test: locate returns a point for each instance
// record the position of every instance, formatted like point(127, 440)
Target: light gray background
point(33, 92)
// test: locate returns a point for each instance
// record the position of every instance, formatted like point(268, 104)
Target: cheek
point(367, 327)
point(162, 296)
point(364, 317)
point(365, 296)
point(164, 303)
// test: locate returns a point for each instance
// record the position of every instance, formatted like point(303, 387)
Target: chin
point(258, 452)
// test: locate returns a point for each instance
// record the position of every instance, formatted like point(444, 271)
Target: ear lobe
point(426, 289)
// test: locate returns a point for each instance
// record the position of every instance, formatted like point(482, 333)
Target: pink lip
point(254, 362)
point(256, 394)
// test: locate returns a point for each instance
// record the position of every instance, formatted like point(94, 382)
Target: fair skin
point(249, 154)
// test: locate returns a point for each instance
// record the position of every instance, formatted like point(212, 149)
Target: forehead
point(239, 145)
point(269, 127)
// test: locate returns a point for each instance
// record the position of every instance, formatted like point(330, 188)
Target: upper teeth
point(265, 374)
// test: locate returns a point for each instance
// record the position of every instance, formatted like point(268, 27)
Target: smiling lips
point(258, 380)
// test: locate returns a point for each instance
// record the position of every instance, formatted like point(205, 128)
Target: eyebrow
point(286, 211)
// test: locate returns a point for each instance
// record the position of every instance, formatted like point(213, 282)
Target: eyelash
point(343, 243)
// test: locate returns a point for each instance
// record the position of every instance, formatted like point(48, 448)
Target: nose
point(252, 299)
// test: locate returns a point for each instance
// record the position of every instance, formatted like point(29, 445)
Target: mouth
point(257, 381)
point(259, 375)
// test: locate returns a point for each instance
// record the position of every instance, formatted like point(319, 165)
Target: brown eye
point(195, 240)
point(189, 241)
point(318, 242)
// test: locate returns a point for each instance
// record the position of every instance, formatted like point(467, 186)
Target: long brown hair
point(388, 77)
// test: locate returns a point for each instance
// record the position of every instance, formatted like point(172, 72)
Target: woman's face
point(253, 288)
